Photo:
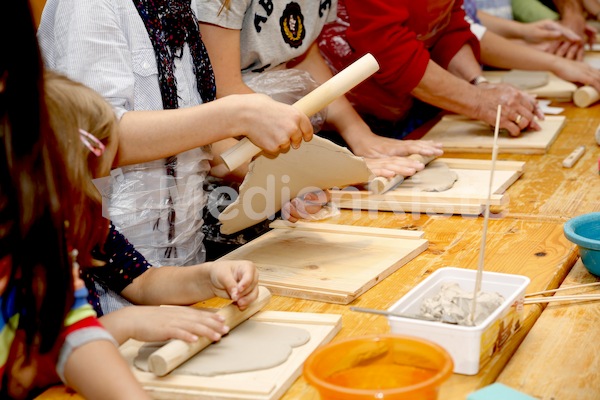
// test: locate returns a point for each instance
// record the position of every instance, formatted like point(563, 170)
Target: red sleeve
point(379, 27)
point(457, 33)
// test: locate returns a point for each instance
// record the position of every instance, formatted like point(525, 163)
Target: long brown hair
point(73, 106)
point(31, 223)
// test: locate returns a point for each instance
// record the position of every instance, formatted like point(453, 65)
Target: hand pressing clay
point(251, 346)
point(453, 305)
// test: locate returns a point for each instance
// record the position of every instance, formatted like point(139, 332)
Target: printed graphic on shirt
point(292, 25)
point(324, 6)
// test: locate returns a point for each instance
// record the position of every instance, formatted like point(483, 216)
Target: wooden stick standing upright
point(486, 217)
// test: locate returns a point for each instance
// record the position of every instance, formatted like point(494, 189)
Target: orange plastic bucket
point(379, 367)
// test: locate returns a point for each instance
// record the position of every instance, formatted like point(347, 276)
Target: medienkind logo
point(292, 25)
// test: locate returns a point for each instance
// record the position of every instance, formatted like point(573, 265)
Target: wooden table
point(527, 239)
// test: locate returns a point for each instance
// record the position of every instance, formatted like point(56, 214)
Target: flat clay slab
point(267, 384)
point(272, 181)
point(556, 89)
point(526, 80)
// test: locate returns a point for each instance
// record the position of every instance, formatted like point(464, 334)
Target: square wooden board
point(468, 196)
point(267, 384)
point(556, 89)
point(462, 134)
point(328, 262)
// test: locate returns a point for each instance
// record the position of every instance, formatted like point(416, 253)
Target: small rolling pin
point(176, 352)
point(310, 104)
point(585, 96)
point(381, 185)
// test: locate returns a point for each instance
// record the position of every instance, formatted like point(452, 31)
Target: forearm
point(501, 26)
point(96, 370)
point(499, 52)
point(445, 90)
point(171, 285)
point(187, 128)
point(464, 64)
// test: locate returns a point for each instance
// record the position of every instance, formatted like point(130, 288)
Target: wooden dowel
point(381, 184)
point(584, 285)
point(585, 96)
point(176, 352)
point(310, 104)
point(551, 299)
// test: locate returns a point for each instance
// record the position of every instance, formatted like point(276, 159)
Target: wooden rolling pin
point(381, 184)
point(310, 104)
point(585, 96)
point(174, 353)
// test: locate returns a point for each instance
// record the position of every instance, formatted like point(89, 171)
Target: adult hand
point(519, 109)
point(236, 280)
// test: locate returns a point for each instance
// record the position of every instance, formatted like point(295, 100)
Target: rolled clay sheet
point(585, 96)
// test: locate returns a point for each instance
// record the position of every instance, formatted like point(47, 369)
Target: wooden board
point(333, 265)
point(462, 134)
point(267, 384)
point(557, 89)
point(468, 195)
point(559, 357)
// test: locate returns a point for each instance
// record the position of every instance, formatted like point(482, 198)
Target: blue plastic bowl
point(584, 231)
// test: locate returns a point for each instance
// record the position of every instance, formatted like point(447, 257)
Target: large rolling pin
point(310, 104)
point(381, 184)
point(176, 352)
point(585, 96)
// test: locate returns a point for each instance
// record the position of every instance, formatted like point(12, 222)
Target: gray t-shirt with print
point(273, 32)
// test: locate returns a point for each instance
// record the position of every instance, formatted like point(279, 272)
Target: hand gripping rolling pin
point(176, 352)
point(310, 104)
point(381, 185)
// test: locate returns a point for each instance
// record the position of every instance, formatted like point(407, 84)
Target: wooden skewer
point(174, 353)
point(551, 299)
point(486, 217)
point(563, 288)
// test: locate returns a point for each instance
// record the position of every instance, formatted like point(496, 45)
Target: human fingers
point(391, 166)
point(174, 322)
point(248, 297)
point(304, 132)
point(424, 147)
point(568, 33)
point(562, 49)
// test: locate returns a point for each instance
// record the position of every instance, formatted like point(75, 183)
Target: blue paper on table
point(498, 391)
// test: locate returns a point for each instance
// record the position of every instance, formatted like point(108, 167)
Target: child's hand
point(305, 206)
point(236, 280)
point(155, 324)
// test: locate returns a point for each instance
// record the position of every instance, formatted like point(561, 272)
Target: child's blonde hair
point(73, 106)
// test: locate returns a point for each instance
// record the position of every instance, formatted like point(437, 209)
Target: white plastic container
point(470, 346)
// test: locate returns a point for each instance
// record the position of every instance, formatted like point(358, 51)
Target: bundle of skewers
point(541, 297)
